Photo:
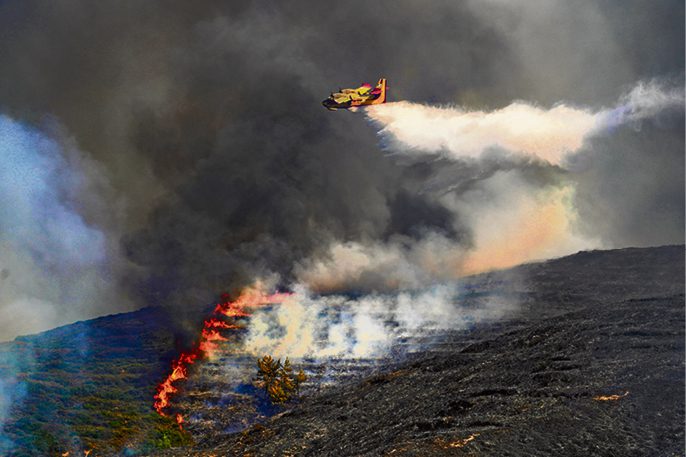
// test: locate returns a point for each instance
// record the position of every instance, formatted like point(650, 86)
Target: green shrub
point(278, 380)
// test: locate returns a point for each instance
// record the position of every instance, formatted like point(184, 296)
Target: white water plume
point(549, 134)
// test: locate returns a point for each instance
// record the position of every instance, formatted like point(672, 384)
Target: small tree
point(278, 380)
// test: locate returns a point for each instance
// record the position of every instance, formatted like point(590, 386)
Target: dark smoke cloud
point(221, 165)
point(631, 190)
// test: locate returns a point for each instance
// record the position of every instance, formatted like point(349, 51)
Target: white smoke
point(511, 222)
point(413, 283)
point(309, 325)
point(55, 267)
point(549, 134)
point(400, 263)
point(414, 287)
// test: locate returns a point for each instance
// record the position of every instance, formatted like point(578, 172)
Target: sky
point(161, 153)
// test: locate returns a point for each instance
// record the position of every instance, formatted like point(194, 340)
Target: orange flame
point(210, 337)
point(610, 397)
point(213, 322)
point(463, 442)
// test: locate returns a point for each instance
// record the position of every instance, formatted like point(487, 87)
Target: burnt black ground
point(595, 323)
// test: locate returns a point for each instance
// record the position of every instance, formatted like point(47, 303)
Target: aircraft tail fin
point(383, 86)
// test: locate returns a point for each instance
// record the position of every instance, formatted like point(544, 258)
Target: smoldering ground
point(216, 164)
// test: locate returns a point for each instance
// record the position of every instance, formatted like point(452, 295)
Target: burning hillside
point(210, 337)
point(155, 155)
point(576, 370)
point(569, 341)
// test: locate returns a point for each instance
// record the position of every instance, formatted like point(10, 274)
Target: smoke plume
point(512, 222)
point(197, 148)
point(54, 266)
point(311, 325)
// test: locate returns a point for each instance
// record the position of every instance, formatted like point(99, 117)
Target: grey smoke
point(216, 163)
point(54, 267)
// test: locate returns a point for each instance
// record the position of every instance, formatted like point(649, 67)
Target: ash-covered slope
point(595, 324)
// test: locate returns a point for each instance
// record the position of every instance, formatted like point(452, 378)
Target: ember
point(457, 443)
point(461, 443)
point(610, 397)
point(210, 336)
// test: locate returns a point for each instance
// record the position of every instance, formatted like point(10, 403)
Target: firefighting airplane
point(362, 96)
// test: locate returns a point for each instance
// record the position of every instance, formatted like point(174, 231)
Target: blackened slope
point(596, 323)
point(528, 392)
point(591, 278)
point(600, 276)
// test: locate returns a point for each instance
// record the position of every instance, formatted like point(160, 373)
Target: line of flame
point(210, 337)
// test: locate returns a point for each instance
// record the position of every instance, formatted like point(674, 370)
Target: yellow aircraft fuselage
point(362, 96)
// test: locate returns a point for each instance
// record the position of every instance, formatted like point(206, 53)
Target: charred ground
point(593, 324)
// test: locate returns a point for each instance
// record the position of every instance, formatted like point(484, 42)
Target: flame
point(456, 443)
point(210, 336)
point(86, 453)
point(213, 322)
point(610, 397)
point(463, 442)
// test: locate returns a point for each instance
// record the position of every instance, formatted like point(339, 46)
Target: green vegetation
point(89, 385)
point(277, 379)
point(164, 435)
